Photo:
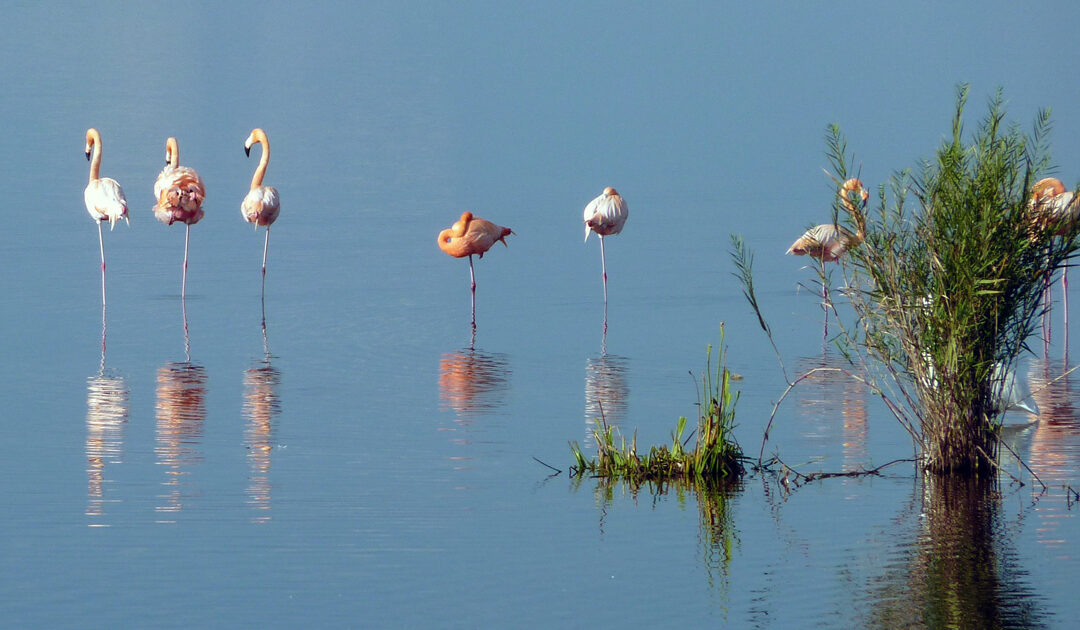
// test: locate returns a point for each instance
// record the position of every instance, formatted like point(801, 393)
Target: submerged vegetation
point(714, 456)
point(946, 291)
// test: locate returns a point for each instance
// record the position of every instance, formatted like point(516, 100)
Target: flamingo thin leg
point(1065, 305)
point(183, 282)
point(266, 245)
point(603, 266)
point(101, 244)
point(472, 289)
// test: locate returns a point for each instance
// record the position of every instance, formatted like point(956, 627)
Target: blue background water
point(375, 470)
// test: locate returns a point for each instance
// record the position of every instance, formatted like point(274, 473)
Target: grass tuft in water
point(715, 455)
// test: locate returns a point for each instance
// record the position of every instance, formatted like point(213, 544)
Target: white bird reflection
point(107, 410)
point(1055, 447)
point(829, 400)
point(261, 408)
point(606, 392)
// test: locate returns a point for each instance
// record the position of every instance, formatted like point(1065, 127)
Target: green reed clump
point(947, 290)
point(715, 454)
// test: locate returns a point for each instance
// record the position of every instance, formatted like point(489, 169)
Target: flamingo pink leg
point(603, 267)
point(183, 282)
point(1065, 305)
point(266, 245)
point(472, 288)
point(101, 243)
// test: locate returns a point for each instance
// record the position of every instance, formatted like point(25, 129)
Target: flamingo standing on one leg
point(104, 199)
point(262, 204)
point(829, 242)
point(471, 235)
point(1058, 209)
point(606, 216)
point(180, 194)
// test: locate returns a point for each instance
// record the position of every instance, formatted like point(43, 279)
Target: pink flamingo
point(829, 242)
point(606, 216)
point(1057, 209)
point(472, 235)
point(104, 198)
point(180, 194)
point(262, 204)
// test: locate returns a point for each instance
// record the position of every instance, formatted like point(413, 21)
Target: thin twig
point(557, 471)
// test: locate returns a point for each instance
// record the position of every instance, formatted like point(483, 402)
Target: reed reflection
point(181, 413)
point(1055, 446)
point(606, 392)
point(261, 408)
point(107, 410)
point(960, 572)
point(830, 394)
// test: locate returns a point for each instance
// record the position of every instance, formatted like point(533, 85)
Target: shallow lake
point(345, 451)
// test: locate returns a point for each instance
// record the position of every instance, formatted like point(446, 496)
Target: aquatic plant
point(715, 454)
point(946, 291)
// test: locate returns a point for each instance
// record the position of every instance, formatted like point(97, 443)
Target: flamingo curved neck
point(172, 152)
point(260, 171)
point(94, 140)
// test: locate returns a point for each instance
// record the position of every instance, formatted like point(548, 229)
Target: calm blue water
point(364, 460)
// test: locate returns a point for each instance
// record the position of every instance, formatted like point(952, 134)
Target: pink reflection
point(181, 412)
point(1055, 447)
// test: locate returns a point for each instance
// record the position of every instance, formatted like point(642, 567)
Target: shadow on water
point(181, 413)
point(107, 410)
point(961, 570)
point(832, 408)
point(261, 408)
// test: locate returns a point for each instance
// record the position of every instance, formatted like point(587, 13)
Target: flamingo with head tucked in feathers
point(104, 198)
point(262, 204)
point(606, 216)
point(472, 235)
point(180, 194)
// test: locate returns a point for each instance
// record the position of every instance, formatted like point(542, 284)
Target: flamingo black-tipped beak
point(247, 150)
point(88, 155)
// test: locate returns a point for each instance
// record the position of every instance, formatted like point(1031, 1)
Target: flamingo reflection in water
point(606, 392)
point(473, 382)
point(472, 236)
point(181, 413)
point(830, 396)
point(261, 408)
point(107, 410)
point(1054, 446)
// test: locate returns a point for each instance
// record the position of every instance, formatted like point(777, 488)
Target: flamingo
point(180, 193)
point(104, 198)
point(606, 216)
point(472, 235)
point(262, 204)
point(1058, 209)
point(829, 242)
